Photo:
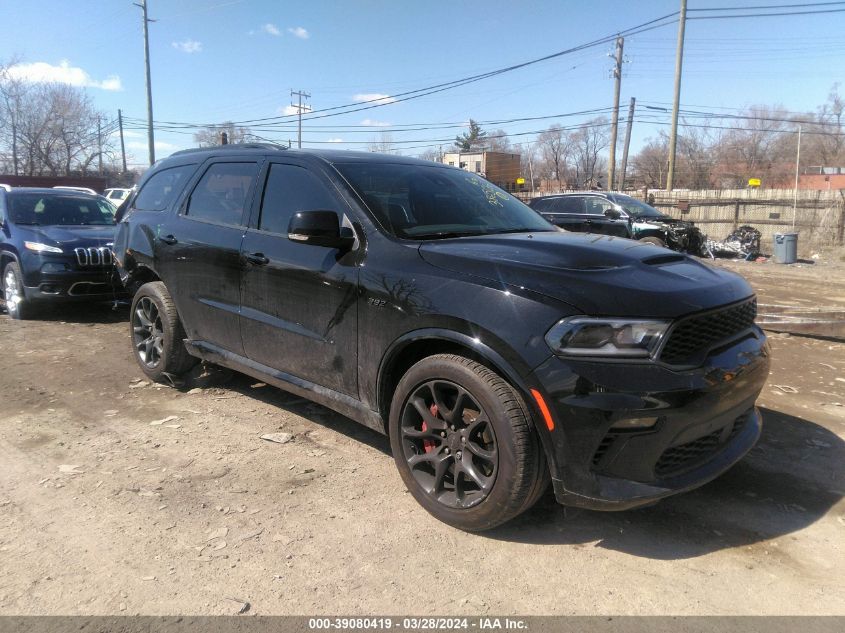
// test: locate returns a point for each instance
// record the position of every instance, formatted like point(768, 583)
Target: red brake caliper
point(428, 445)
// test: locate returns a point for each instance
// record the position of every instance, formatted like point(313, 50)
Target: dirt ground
point(122, 497)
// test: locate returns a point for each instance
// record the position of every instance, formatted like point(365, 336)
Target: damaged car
point(622, 216)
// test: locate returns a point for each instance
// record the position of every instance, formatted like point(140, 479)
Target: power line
point(770, 6)
point(383, 101)
point(762, 15)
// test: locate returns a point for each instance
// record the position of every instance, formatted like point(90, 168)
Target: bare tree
point(827, 145)
point(212, 135)
point(756, 148)
point(650, 163)
point(588, 143)
point(498, 141)
point(49, 128)
point(554, 146)
point(382, 144)
point(431, 154)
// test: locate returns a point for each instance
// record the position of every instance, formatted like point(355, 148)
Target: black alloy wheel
point(464, 443)
point(157, 334)
point(148, 332)
point(449, 444)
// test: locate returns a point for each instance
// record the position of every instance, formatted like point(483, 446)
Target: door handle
point(168, 239)
point(259, 259)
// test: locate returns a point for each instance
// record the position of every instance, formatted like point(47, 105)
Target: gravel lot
point(123, 497)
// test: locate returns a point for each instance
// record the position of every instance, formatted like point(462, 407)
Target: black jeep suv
point(495, 350)
point(55, 246)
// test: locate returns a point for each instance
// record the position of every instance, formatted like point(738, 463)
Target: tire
point(479, 464)
point(157, 334)
point(17, 305)
point(653, 240)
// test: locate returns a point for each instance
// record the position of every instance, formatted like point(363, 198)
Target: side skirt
point(334, 400)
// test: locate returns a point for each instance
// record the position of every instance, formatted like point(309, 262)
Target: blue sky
point(215, 60)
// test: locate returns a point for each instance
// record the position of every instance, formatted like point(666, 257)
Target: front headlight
point(589, 336)
point(38, 247)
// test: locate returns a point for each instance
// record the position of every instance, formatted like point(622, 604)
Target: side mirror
point(320, 228)
point(613, 214)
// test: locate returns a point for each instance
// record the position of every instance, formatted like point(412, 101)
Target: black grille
point(604, 445)
point(685, 456)
point(693, 336)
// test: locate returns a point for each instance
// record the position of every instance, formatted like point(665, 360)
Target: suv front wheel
point(17, 305)
point(463, 443)
point(157, 333)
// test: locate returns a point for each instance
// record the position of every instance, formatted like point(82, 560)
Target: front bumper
point(61, 278)
point(78, 287)
point(702, 421)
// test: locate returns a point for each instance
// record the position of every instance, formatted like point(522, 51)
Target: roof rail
point(230, 147)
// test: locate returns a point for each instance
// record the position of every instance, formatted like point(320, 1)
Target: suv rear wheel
point(463, 443)
point(157, 333)
point(17, 305)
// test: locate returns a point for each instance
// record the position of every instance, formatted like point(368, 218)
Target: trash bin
point(786, 248)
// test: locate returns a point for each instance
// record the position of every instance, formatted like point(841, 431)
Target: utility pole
point(298, 107)
point(679, 63)
point(150, 135)
point(99, 146)
point(795, 193)
point(614, 125)
point(122, 146)
point(624, 167)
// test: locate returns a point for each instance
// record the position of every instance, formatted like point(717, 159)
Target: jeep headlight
point(38, 247)
point(589, 336)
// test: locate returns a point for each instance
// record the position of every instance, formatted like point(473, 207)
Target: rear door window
point(571, 204)
point(223, 193)
point(162, 188)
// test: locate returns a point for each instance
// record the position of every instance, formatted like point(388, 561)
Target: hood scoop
point(660, 260)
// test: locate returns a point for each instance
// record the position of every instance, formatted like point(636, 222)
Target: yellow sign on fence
point(520, 181)
point(754, 182)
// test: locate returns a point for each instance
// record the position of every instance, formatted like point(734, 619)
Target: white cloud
point(64, 73)
point(271, 29)
point(188, 46)
point(375, 97)
point(299, 32)
point(159, 145)
point(127, 134)
point(371, 123)
point(335, 140)
point(292, 109)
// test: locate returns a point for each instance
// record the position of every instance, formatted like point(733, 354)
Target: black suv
point(619, 215)
point(55, 246)
point(495, 350)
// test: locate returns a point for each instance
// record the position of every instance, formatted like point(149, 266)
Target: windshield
point(40, 209)
point(636, 208)
point(419, 202)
